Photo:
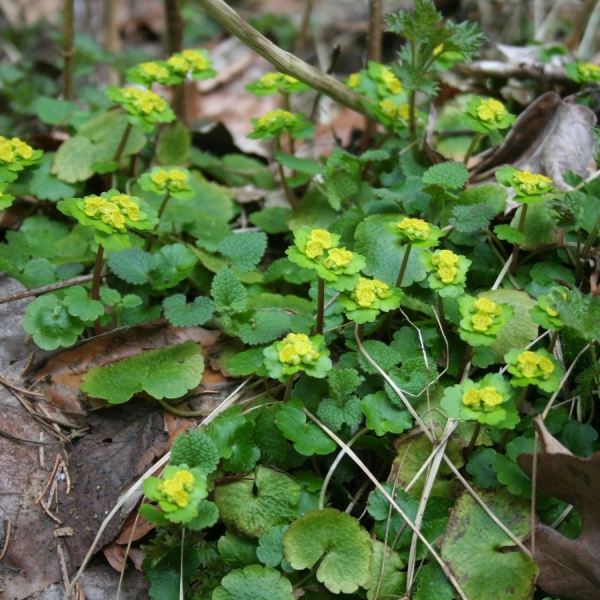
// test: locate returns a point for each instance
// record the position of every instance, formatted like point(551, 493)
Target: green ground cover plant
point(390, 318)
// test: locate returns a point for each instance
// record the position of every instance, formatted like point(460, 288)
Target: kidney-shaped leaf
point(335, 539)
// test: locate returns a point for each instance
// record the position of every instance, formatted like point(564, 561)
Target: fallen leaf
point(568, 568)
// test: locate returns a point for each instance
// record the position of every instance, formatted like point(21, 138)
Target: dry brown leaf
point(568, 568)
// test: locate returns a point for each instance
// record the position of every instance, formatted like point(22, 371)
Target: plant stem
point(68, 50)
point(553, 340)
point(303, 28)
point(161, 210)
point(183, 413)
point(289, 384)
point(97, 276)
point(517, 247)
point(284, 184)
point(173, 44)
point(121, 148)
point(360, 331)
point(320, 306)
point(522, 396)
point(403, 265)
point(472, 441)
point(476, 139)
point(463, 372)
point(586, 248)
point(443, 322)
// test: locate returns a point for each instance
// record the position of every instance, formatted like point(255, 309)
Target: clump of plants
point(407, 325)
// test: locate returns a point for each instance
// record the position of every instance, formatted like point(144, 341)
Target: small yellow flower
point(551, 312)
point(382, 290)
point(483, 305)
point(354, 80)
point(92, 205)
point(438, 50)
point(154, 70)
point(131, 208)
point(181, 498)
point(389, 109)
point(490, 397)
point(318, 241)
point(546, 366)
point(337, 258)
point(364, 293)
point(531, 183)
point(447, 273)
point(416, 228)
point(179, 64)
point(528, 363)
point(481, 321)
point(7, 154)
point(272, 116)
point(588, 70)
point(144, 100)
point(392, 83)
point(177, 178)
point(445, 260)
point(289, 79)
point(471, 398)
point(111, 215)
point(186, 478)
point(196, 59)
point(491, 110)
point(270, 80)
point(160, 178)
point(23, 149)
point(296, 348)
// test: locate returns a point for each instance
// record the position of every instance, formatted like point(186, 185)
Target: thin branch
point(284, 62)
point(46, 288)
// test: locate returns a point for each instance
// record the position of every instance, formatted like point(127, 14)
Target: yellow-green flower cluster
point(188, 60)
point(531, 184)
point(448, 272)
point(14, 150)
point(491, 110)
point(177, 488)
point(317, 242)
point(112, 211)
point(296, 348)
point(144, 107)
point(297, 352)
point(446, 263)
point(273, 116)
point(274, 122)
point(392, 110)
point(390, 81)
point(414, 229)
point(152, 72)
point(482, 319)
point(273, 83)
point(583, 72)
point(485, 115)
point(367, 291)
point(544, 312)
point(539, 368)
point(174, 179)
point(144, 101)
point(488, 401)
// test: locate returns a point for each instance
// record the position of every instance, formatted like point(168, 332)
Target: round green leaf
point(254, 583)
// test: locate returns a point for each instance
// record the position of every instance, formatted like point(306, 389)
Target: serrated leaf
point(334, 414)
point(449, 175)
point(480, 467)
point(258, 502)
point(308, 438)
point(270, 548)
point(79, 304)
point(53, 111)
point(196, 450)
point(386, 577)
point(236, 550)
point(383, 416)
point(472, 218)
point(228, 292)
point(131, 265)
point(580, 438)
point(540, 225)
point(385, 356)
point(246, 362)
point(171, 265)
point(335, 540)
point(244, 250)
point(208, 515)
point(181, 314)
point(509, 234)
point(165, 373)
point(256, 583)
point(46, 186)
point(265, 327)
point(432, 584)
point(174, 145)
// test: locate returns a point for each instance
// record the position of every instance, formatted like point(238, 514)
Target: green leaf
point(509, 234)
point(79, 304)
point(265, 326)
point(469, 554)
point(384, 356)
point(54, 112)
point(131, 265)
point(386, 577)
point(46, 186)
point(472, 218)
point(342, 176)
point(302, 165)
point(166, 373)
point(580, 438)
point(449, 175)
point(246, 362)
point(196, 450)
point(171, 265)
point(208, 515)
point(431, 583)
point(237, 550)
point(244, 250)
point(174, 145)
point(480, 466)
point(228, 292)
point(258, 502)
point(308, 437)
point(335, 540)
point(343, 382)
point(181, 314)
point(48, 320)
point(233, 436)
point(335, 413)
point(74, 159)
point(540, 225)
point(254, 583)
point(270, 547)
point(271, 220)
point(383, 416)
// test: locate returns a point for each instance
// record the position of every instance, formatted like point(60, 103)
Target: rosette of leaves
point(485, 115)
point(172, 180)
point(178, 493)
point(144, 108)
point(274, 83)
point(317, 249)
point(377, 82)
point(416, 231)
point(194, 64)
point(111, 215)
point(544, 313)
point(488, 401)
point(16, 155)
point(148, 73)
point(583, 72)
point(537, 368)
point(276, 122)
point(482, 319)
point(529, 187)
point(368, 298)
point(447, 272)
point(297, 352)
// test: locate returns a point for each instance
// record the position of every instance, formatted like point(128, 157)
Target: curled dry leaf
point(550, 137)
point(568, 568)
